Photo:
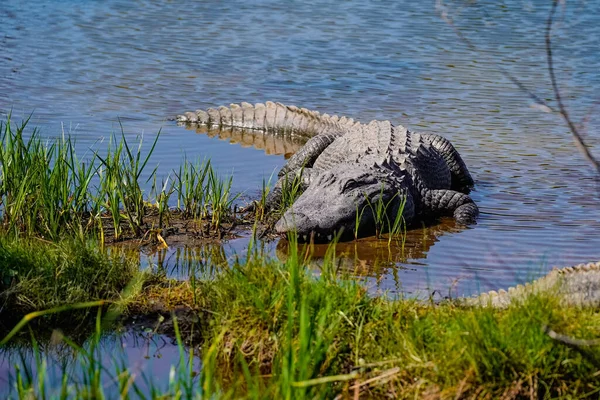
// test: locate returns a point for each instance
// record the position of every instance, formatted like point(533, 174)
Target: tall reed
point(191, 186)
point(46, 190)
point(121, 182)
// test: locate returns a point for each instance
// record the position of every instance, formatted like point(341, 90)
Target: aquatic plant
point(388, 217)
point(290, 190)
point(121, 182)
point(162, 195)
point(220, 198)
point(47, 191)
point(191, 188)
point(44, 188)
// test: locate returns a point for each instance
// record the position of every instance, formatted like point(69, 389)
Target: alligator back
point(427, 166)
point(381, 140)
point(358, 142)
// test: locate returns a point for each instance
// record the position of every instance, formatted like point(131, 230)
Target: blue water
point(148, 357)
point(83, 66)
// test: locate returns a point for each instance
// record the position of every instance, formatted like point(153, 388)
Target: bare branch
point(540, 103)
point(579, 142)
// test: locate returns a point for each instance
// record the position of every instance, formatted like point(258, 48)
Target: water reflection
point(147, 356)
point(398, 264)
point(202, 260)
point(271, 144)
point(372, 256)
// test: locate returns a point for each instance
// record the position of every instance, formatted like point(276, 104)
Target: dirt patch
point(176, 230)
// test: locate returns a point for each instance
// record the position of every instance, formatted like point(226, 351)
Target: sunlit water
point(83, 66)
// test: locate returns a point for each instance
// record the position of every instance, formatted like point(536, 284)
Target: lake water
point(83, 66)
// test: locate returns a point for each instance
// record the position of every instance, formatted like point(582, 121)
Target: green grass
point(44, 187)
point(120, 190)
point(271, 329)
point(191, 188)
point(302, 330)
point(290, 191)
point(388, 216)
point(36, 275)
point(47, 191)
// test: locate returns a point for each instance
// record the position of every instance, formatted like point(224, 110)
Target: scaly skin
point(576, 286)
point(345, 180)
point(431, 175)
point(269, 117)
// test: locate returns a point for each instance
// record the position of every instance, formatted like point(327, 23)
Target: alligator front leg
point(450, 202)
point(461, 178)
point(306, 156)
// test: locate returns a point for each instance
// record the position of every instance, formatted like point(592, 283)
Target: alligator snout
point(290, 221)
point(306, 227)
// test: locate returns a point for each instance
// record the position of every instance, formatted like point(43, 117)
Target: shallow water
point(148, 357)
point(82, 67)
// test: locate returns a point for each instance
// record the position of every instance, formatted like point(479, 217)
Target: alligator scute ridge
point(577, 285)
point(272, 117)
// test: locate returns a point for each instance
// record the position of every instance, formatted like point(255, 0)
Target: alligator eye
point(350, 185)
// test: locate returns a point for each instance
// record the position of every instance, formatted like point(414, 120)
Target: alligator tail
point(268, 117)
point(575, 286)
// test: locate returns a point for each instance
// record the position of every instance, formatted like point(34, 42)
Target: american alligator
point(347, 168)
point(575, 286)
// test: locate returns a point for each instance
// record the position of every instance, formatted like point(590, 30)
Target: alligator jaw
point(306, 229)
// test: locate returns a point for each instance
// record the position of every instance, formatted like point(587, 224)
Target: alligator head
point(347, 195)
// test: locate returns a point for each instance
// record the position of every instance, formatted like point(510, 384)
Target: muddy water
point(81, 67)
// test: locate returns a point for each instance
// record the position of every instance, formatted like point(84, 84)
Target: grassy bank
point(272, 329)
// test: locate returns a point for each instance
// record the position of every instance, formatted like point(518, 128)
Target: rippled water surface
point(80, 66)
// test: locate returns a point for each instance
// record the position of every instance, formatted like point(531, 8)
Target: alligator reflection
point(272, 144)
point(374, 257)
